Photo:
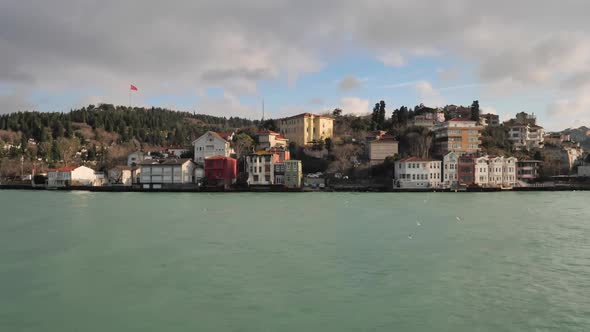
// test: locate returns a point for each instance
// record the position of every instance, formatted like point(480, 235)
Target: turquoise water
point(84, 261)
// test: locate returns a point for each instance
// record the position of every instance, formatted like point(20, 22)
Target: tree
point(67, 149)
point(329, 144)
point(337, 113)
point(475, 111)
point(242, 144)
point(381, 114)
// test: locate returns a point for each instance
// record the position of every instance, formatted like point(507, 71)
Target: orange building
point(457, 135)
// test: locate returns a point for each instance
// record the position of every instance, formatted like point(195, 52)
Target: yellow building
point(306, 128)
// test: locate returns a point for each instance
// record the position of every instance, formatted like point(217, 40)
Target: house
point(495, 171)
point(458, 135)
point(466, 170)
point(269, 139)
point(260, 167)
point(169, 173)
point(381, 148)
point(279, 173)
point(72, 176)
point(293, 173)
point(212, 144)
point(556, 138)
point(425, 120)
point(282, 153)
point(177, 151)
point(221, 170)
point(489, 120)
point(306, 128)
point(527, 170)
point(451, 169)
point(135, 158)
point(526, 136)
point(416, 172)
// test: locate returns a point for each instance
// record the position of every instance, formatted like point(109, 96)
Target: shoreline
point(114, 189)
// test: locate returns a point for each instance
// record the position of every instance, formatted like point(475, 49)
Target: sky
point(224, 57)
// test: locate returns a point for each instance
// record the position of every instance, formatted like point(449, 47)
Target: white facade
point(175, 171)
point(418, 173)
point(211, 144)
point(450, 170)
point(177, 152)
point(495, 172)
point(525, 136)
point(72, 176)
point(260, 169)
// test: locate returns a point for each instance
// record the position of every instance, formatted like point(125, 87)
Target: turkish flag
point(133, 87)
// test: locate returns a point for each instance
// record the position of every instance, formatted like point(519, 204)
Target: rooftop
point(417, 159)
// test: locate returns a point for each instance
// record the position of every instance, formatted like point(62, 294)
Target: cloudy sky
point(224, 56)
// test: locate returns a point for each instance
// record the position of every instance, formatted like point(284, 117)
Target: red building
point(221, 170)
point(466, 171)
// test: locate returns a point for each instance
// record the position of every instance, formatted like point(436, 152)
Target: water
point(294, 262)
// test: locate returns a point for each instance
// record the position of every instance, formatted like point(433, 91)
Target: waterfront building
point(260, 167)
point(451, 169)
point(177, 151)
point(212, 144)
point(495, 172)
point(416, 172)
point(293, 173)
point(527, 170)
point(282, 153)
point(169, 173)
point(279, 173)
point(466, 170)
point(306, 128)
point(458, 135)
point(221, 170)
point(381, 148)
point(269, 139)
point(72, 176)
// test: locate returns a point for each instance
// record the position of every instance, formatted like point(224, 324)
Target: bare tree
point(68, 149)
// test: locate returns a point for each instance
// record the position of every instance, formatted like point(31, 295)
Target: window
point(413, 176)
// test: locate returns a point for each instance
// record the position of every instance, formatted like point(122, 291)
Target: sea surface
point(80, 261)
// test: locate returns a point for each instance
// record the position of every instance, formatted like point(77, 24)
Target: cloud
point(401, 85)
point(235, 45)
point(488, 109)
point(448, 74)
point(570, 112)
point(354, 105)
point(393, 59)
point(350, 83)
point(14, 101)
point(428, 95)
point(316, 101)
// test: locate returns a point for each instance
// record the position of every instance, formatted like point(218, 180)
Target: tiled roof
point(220, 157)
point(306, 115)
point(267, 131)
point(154, 149)
point(417, 159)
point(225, 136)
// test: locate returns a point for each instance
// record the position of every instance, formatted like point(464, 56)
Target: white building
point(495, 172)
point(72, 176)
point(169, 172)
point(526, 136)
point(177, 151)
point(416, 172)
point(450, 170)
point(211, 144)
point(260, 168)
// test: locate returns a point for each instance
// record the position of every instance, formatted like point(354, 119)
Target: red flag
point(133, 87)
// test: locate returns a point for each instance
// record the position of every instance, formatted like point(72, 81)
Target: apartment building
point(306, 128)
point(451, 169)
point(212, 144)
point(495, 171)
point(457, 135)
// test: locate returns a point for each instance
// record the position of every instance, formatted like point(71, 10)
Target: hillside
point(581, 135)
